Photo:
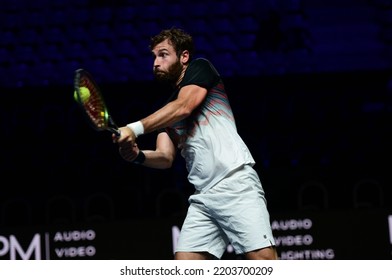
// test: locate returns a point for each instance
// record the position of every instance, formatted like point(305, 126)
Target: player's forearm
point(157, 160)
point(164, 117)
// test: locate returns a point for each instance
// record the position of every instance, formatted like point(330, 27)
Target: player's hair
point(179, 39)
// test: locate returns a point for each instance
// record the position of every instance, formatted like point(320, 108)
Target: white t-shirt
point(208, 139)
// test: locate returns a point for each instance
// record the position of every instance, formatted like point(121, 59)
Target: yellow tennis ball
point(84, 94)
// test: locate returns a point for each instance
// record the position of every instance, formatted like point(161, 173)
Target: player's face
point(167, 66)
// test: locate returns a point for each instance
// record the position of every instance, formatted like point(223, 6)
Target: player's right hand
point(126, 136)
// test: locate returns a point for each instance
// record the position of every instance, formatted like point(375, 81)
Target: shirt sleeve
point(202, 73)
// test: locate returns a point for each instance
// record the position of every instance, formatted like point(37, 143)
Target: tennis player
point(229, 204)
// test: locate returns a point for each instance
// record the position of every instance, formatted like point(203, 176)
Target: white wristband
point(137, 128)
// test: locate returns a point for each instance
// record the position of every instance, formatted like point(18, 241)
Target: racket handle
point(117, 132)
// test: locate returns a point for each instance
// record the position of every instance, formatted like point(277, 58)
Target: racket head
point(93, 105)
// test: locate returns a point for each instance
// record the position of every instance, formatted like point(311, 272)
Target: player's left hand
point(128, 152)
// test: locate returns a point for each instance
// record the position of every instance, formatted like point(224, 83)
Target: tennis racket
point(89, 96)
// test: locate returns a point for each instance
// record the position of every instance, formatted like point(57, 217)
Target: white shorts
point(232, 212)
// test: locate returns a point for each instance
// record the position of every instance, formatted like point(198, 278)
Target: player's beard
point(171, 75)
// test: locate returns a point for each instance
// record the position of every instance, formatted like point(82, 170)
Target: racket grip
point(116, 132)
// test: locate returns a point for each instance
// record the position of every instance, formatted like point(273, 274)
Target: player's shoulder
point(204, 64)
point(201, 61)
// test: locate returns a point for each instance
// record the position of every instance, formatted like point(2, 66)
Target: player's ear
point(184, 57)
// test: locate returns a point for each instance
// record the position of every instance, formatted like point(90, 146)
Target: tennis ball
point(84, 94)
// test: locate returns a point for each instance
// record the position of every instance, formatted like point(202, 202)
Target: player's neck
point(181, 75)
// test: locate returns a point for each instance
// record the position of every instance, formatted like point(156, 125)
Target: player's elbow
point(164, 164)
point(165, 152)
point(165, 161)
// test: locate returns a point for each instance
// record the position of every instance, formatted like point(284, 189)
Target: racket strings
point(95, 106)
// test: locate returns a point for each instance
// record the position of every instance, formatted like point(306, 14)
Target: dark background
point(309, 81)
